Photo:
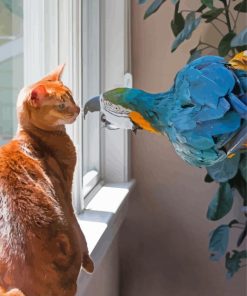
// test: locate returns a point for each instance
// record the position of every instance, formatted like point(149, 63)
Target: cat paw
point(13, 292)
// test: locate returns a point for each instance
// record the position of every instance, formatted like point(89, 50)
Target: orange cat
point(41, 245)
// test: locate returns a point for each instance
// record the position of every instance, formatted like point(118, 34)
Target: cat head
point(47, 104)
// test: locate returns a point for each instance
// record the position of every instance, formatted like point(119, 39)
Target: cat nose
point(78, 110)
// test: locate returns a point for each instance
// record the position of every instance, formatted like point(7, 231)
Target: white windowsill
point(101, 221)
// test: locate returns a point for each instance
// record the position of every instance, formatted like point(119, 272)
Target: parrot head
point(120, 109)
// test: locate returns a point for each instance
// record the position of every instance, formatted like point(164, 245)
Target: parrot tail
point(237, 143)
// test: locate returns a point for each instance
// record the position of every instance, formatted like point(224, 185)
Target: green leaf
point(153, 7)
point(233, 262)
point(201, 8)
point(208, 179)
point(177, 24)
point(239, 183)
point(233, 222)
point(241, 48)
point(225, 44)
point(175, 1)
point(243, 167)
point(242, 236)
point(195, 53)
point(224, 170)
point(240, 39)
point(222, 202)
point(191, 23)
point(218, 242)
point(208, 3)
point(212, 14)
point(242, 6)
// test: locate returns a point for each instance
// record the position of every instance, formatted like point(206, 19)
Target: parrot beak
point(92, 105)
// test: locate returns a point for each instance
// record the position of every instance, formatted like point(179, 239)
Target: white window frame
point(91, 57)
point(52, 35)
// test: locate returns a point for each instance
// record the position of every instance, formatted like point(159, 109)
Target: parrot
point(204, 113)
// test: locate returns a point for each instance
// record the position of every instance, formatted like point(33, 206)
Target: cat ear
point(37, 95)
point(56, 74)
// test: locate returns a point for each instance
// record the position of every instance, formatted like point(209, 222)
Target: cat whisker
point(69, 115)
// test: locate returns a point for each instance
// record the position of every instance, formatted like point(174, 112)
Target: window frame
point(64, 42)
point(91, 56)
point(116, 69)
point(115, 64)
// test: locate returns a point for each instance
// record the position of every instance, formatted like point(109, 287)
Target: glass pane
point(91, 88)
point(11, 64)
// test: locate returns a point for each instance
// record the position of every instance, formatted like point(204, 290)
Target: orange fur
point(41, 245)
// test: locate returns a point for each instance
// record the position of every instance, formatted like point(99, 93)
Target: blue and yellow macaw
point(204, 114)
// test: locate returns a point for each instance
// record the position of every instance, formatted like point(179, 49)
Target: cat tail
point(12, 292)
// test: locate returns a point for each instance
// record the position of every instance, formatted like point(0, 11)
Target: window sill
point(101, 221)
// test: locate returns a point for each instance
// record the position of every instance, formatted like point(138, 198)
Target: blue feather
point(242, 76)
point(227, 124)
point(238, 106)
point(208, 113)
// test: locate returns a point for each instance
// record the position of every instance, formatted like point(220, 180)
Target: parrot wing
point(210, 110)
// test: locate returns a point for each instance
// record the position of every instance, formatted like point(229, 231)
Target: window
point(105, 54)
point(11, 65)
point(90, 37)
point(91, 56)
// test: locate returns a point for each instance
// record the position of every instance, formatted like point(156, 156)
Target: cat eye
point(61, 106)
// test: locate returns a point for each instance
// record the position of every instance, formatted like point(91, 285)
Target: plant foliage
point(212, 12)
point(190, 24)
point(233, 262)
point(218, 242)
point(222, 203)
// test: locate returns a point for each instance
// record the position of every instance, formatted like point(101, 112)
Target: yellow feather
point(138, 119)
point(239, 61)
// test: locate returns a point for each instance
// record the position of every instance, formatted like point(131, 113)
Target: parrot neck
point(152, 111)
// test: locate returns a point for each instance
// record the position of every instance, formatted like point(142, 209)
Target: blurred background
point(11, 64)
